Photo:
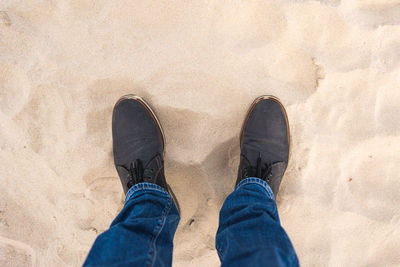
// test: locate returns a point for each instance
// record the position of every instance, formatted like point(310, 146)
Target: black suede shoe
point(264, 142)
point(138, 143)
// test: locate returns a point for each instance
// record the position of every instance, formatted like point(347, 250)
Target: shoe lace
point(136, 173)
point(262, 171)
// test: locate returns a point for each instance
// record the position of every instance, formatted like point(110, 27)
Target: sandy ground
point(334, 64)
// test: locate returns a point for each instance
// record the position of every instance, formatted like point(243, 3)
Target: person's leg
point(250, 233)
point(142, 234)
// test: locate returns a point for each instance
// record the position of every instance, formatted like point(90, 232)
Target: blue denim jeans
point(249, 233)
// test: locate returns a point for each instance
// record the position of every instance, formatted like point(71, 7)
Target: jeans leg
point(143, 232)
point(250, 233)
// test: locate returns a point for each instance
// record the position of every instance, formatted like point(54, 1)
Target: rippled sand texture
point(334, 64)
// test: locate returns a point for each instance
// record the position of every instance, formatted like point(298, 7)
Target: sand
point(334, 64)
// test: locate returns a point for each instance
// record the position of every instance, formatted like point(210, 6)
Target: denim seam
point(157, 231)
point(143, 186)
point(255, 180)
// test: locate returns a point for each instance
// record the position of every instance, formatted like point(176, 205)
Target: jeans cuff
point(144, 186)
point(258, 181)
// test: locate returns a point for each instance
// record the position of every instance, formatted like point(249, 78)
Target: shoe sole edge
point(155, 118)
